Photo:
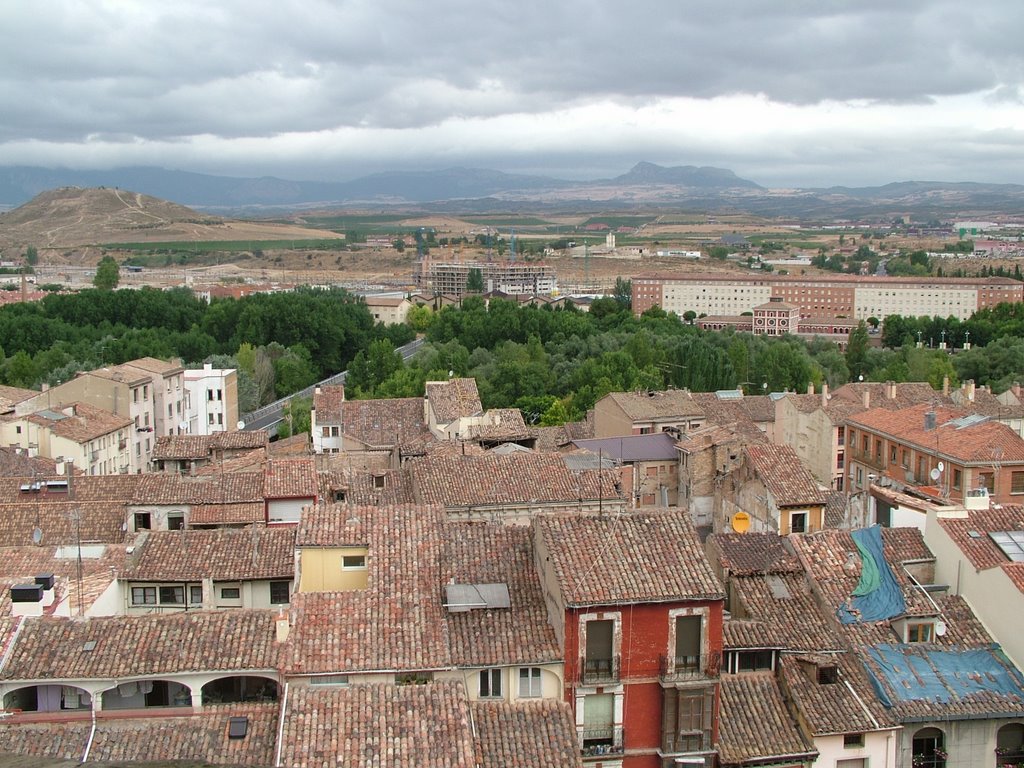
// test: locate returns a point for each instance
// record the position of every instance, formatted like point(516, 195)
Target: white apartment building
point(211, 400)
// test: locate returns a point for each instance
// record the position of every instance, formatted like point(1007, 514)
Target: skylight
point(1011, 543)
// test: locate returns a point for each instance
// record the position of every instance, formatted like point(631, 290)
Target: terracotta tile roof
point(383, 424)
point(59, 740)
point(327, 402)
point(986, 403)
point(740, 634)
point(239, 440)
point(785, 603)
point(981, 551)
point(835, 508)
point(492, 479)
point(488, 553)
point(784, 475)
point(117, 489)
point(54, 649)
point(891, 396)
point(227, 514)
point(15, 463)
point(527, 734)
point(153, 365)
point(982, 443)
point(378, 725)
point(231, 488)
point(756, 409)
point(453, 398)
point(20, 565)
point(831, 559)
point(499, 424)
point(10, 396)
point(754, 723)
point(181, 447)
point(291, 479)
point(79, 422)
point(654, 406)
point(61, 522)
point(363, 488)
point(124, 374)
point(652, 556)
point(832, 708)
point(223, 555)
point(200, 738)
point(289, 447)
point(397, 622)
point(744, 554)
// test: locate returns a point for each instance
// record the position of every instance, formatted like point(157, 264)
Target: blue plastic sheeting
point(878, 595)
point(916, 673)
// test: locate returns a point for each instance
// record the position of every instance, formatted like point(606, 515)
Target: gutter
point(280, 727)
point(92, 735)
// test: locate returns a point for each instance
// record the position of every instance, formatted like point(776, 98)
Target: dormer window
point(920, 632)
point(828, 674)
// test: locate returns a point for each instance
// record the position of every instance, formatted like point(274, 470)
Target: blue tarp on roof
point(910, 672)
point(878, 595)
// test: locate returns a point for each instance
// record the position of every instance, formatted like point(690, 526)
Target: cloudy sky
point(783, 92)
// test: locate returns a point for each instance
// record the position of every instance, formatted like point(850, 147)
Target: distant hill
point(473, 189)
point(73, 216)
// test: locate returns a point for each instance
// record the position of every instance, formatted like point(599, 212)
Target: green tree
point(857, 351)
point(399, 244)
point(475, 281)
point(623, 292)
point(297, 414)
point(419, 318)
point(108, 274)
point(31, 256)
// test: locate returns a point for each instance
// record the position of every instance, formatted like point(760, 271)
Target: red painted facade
point(643, 645)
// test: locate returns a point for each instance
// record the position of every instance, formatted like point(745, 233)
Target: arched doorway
point(1010, 745)
point(228, 690)
point(141, 694)
point(929, 749)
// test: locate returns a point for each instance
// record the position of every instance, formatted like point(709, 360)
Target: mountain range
point(472, 189)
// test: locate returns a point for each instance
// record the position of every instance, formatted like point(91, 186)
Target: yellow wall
point(322, 569)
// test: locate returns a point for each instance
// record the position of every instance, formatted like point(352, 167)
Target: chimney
point(865, 397)
point(824, 394)
point(890, 390)
point(283, 627)
point(969, 390)
point(207, 366)
point(1015, 388)
point(945, 385)
point(929, 421)
point(810, 387)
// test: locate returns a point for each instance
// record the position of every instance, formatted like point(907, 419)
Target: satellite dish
point(240, 425)
point(935, 474)
point(183, 425)
point(942, 467)
point(940, 628)
point(37, 536)
point(741, 522)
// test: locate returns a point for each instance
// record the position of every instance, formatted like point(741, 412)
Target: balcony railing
point(596, 671)
point(682, 742)
point(675, 668)
point(600, 741)
point(1005, 758)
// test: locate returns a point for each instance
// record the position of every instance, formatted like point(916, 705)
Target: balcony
point(679, 668)
point(599, 671)
point(602, 741)
point(1006, 758)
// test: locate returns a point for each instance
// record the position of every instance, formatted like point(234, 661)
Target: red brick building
point(638, 612)
point(948, 450)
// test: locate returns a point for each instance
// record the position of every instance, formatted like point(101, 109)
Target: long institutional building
point(850, 296)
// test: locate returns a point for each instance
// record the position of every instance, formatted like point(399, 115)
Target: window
point(987, 480)
point(195, 595)
point(752, 661)
point(1017, 482)
point(172, 595)
point(828, 675)
point(851, 740)
point(490, 683)
point(928, 749)
point(145, 391)
point(919, 633)
point(325, 432)
point(143, 521)
point(280, 592)
point(175, 522)
point(905, 459)
point(209, 418)
point(143, 595)
point(329, 680)
point(957, 479)
point(530, 686)
point(209, 395)
point(854, 762)
point(599, 662)
point(798, 522)
point(230, 593)
point(353, 562)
